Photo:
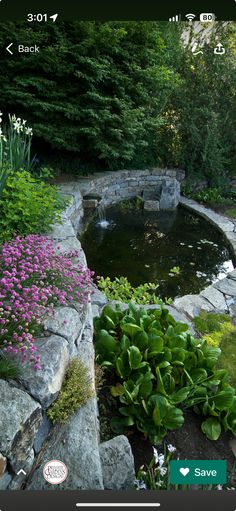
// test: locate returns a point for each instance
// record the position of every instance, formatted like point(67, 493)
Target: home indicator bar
point(117, 504)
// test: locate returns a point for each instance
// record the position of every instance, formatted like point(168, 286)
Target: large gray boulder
point(226, 286)
point(170, 194)
point(18, 479)
point(98, 298)
point(65, 322)
point(76, 445)
point(192, 305)
point(5, 480)
point(117, 464)
point(46, 383)
point(20, 418)
point(215, 297)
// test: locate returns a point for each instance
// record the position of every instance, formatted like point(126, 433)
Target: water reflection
point(144, 246)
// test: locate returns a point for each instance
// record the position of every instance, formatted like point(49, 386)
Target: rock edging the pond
point(31, 441)
point(219, 297)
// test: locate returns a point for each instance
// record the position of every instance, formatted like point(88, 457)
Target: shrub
point(120, 289)
point(213, 326)
point(209, 196)
point(75, 392)
point(33, 280)
point(160, 370)
point(28, 206)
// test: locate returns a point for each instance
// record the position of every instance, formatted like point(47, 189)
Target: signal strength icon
point(190, 17)
point(177, 17)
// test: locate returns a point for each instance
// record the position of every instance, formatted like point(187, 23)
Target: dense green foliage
point(116, 94)
point(160, 371)
point(28, 206)
point(213, 327)
point(121, 290)
point(9, 370)
point(75, 392)
point(218, 330)
point(100, 89)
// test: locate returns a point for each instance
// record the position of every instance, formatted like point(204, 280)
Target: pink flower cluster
point(33, 280)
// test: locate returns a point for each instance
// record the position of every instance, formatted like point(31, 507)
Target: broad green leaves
point(162, 370)
point(212, 428)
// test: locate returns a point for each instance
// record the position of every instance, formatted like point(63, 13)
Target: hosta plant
point(161, 370)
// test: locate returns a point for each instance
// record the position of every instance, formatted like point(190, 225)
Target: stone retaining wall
point(27, 438)
point(161, 187)
point(30, 440)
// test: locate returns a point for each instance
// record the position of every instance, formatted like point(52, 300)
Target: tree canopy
point(123, 94)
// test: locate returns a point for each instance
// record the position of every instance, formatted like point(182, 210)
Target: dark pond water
point(145, 246)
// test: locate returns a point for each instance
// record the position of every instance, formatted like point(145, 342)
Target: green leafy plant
point(218, 330)
point(231, 212)
point(75, 392)
point(28, 206)
point(120, 289)
point(161, 370)
point(44, 173)
point(9, 370)
point(210, 196)
point(15, 145)
point(213, 326)
point(175, 270)
point(4, 173)
point(131, 205)
point(155, 475)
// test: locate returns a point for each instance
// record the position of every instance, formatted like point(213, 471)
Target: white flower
point(159, 458)
point(2, 136)
point(163, 471)
point(155, 454)
point(140, 484)
point(29, 131)
point(171, 448)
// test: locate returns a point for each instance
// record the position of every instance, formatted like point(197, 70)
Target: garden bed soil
point(189, 440)
point(190, 443)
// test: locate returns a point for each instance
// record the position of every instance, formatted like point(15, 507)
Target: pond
point(145, 246)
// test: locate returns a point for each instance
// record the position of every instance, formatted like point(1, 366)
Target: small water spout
point(103, 222)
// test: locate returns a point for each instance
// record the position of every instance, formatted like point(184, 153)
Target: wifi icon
point(190, 17)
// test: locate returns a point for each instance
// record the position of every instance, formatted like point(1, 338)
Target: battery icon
point(205, 17)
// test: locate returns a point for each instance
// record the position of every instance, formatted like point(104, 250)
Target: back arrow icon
point(8, 49)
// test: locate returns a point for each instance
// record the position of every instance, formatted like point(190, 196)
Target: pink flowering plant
point(34, 279)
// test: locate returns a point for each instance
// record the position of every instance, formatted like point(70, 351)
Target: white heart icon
point(184, 471)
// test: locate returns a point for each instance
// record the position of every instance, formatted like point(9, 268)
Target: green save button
point(198, 472)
